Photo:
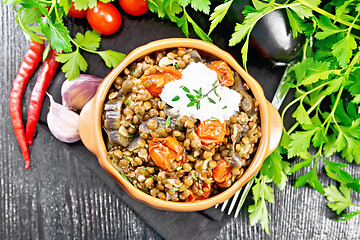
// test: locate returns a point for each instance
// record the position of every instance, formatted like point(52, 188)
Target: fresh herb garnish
point(175, 98)
point(162, 142)
point(224, 107)
point(179, 168)
point(168, 121)
point(130, 135)
point(127, 158)
point(132, 72)
point(174, 189)
point(123, 175)
point(212, 119)
point(176, 66)
point(198, 92)
point(216, 93)
point(152, 177)
point(211, 101)
point(190, 104)
point(193, 176)
point(216, 81)
point(235, 131)
point(185, 89)
point(128, 102)
point(132, 126)
point(198, 105)
point(195, 99)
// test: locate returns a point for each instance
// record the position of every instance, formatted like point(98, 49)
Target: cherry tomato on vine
point(104, 18)
point(76, 13)
point(134, 7)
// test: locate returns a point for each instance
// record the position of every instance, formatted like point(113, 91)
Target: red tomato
point(193, 197)
point(222, 173)
point(134, 7)
point(211, 132)
point(76, 13)
point(104, 18)
point(163, 151)
point(157, 81)
point(224, 73)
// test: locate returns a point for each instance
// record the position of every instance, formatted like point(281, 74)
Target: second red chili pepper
point(37, 95)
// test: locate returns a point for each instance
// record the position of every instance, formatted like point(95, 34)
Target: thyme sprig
point(196, 98)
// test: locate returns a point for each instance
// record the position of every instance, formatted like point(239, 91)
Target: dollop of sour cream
point(220, 103)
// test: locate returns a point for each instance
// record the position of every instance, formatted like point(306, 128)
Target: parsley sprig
point(175, 10)
point(327, 93)
point(43, 20)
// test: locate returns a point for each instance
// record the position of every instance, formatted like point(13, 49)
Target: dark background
point(62, 195)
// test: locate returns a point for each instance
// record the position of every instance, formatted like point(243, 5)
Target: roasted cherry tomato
point(193, 197)
point(211, 132)
point(76, 13)
point(134, 7)
point(104, 18)
point(163, 151)
point(224, 73)
point(155, 82)
point(222, 173)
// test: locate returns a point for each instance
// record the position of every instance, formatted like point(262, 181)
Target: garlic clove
point(62, 122)
point(76, 93)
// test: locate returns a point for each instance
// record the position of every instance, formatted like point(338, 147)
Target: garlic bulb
point(62, 122)
point(76, 93)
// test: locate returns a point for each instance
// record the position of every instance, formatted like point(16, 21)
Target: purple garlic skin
point(76, 93)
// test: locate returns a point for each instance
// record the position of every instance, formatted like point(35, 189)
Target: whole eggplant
point(271, 36)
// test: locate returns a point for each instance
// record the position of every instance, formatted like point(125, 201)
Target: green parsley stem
point(279, 6)
point(305, 48)
point(334, 107)
point(81, 47)
point(308, 112)
point(44, 1)
point(327, 14)
point(52, 7)
point(57, 14)
point(301, 98)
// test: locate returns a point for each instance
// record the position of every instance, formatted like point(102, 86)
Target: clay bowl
point(91, 133)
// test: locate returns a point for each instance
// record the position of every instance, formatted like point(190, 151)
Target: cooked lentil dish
point(155, 138)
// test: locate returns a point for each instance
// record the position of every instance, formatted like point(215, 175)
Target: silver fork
point(278, 99)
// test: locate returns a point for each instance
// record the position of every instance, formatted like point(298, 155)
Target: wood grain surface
point(59, 198)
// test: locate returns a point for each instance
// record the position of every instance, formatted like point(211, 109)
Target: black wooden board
point(66, 194)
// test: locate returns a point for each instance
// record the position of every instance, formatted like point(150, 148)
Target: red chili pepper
point(37, 95)
point(31, 61)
